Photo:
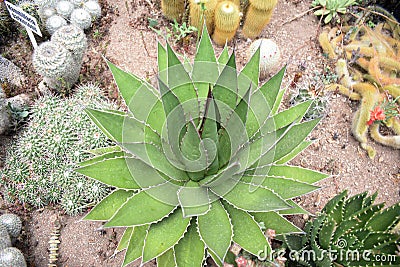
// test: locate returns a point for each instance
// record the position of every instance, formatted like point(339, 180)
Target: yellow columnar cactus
point(256, 20)
point(173, 9)
point(236, 2)
point(263, 4)
point(227, 20)
point(197, 16)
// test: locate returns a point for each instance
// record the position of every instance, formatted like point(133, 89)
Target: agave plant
point(200, 161)
point(349, 232)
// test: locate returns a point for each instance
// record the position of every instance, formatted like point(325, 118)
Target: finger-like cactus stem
point(256, 20)
point(391, 141)
point(326, 45)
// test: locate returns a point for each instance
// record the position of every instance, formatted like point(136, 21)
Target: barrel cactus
point(12, 257)
point(200, 162)
point(269, 54)
point(349, 232)
point(81, 18)
point(13, 224)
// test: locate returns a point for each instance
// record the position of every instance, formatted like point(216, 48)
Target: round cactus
point(52, 60)
point(93, 8)
point(44, 3)
point(12, 257)
point(65, 8)
point(5, 240)
point(227, 20)
point(77, 3)
point(269, 54)
point(81, 18)
point(55, 22)
point(73, 38)
point(12, 222)
point(46, 12)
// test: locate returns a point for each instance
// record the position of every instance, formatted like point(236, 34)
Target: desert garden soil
point(124, 38)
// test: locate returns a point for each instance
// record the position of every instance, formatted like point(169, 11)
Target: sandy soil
point(130, 44)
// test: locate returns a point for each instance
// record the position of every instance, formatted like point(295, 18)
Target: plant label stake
point(28, 21)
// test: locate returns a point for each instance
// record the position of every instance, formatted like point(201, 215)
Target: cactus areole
point(200, 161)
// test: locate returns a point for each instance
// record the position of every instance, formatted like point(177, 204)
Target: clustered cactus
point(222, 18)
point(10, 228)
point(39, 165)
point(374, 80)
point(200, 162)
point(348, 232)
point(59, 60)
point(56, 13)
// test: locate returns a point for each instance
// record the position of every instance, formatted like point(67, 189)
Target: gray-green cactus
point(64, 9)
point(73, 38)
point(81, 18)
point(13, 224)
point(93, 8)
point(348, 227)
point(5, 240)
point(55, 22)
point(12, 257)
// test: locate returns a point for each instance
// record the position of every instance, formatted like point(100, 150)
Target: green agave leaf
point(225, 89)
point(224, 56)
point(243, 107)
point(102, 157)
point(326, 233)
point(377, 239)
point(127, 83)
point(109, 123)
point(190, 250)
point(164, 235)
point(364, 215)
point(344, 227)
point(246, 231)
point(216, 230)
point(368, 201)
point(113, 172)
point(385, 220)
point(154, 157)
point(274, 221)
point(109, 206)
point(293, 242)
point(256, 114)
point(104, 150)
point(296, 173)
point(124, 241)
point(249, 74)
point(334, 202)
point(284, 187)
point(136, 243)
point(354, 204)
point(193, 199)
point(295, 209)
point(162, 63)
point(303, 145)
point(261, 199)
point(272, 92)
point(141, 209)
point(167, 259)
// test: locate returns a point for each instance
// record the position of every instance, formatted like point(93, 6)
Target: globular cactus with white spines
point(56, 64)
point(60, 132)
point(12, 223)
point(45, 3)
point(5, 240)
point(55, 22)
point(46, 12)
point(73, 39)
point(77, 3)
point(12, 257)
point(64, 9)
point(81, 18)
point(94, 9)
point(269, 54)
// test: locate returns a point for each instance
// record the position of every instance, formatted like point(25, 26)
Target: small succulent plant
point(199, 162)
point(64, 9)
point(55, 22)
point(269, 54)
point(12, 257)
point(81, 18)
point(39, 165)
point(73, 39)
point(317, 108)
point(348, 227)
point(13, 224)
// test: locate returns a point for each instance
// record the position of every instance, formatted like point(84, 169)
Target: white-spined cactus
point(269, 54)
point(44, 3)
point(46, 12)
point(64, 9)
point(56, 64)
point(81, 18)
point(73, 38)
point(13, 224)
point(12, 257)
point(93, 8)
point(5, 240)
point(55, 22)
point(77, 3)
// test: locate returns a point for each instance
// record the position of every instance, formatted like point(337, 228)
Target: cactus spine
point(256, 20)
point(197, 15)
point(227, 20)
point(173, 9)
